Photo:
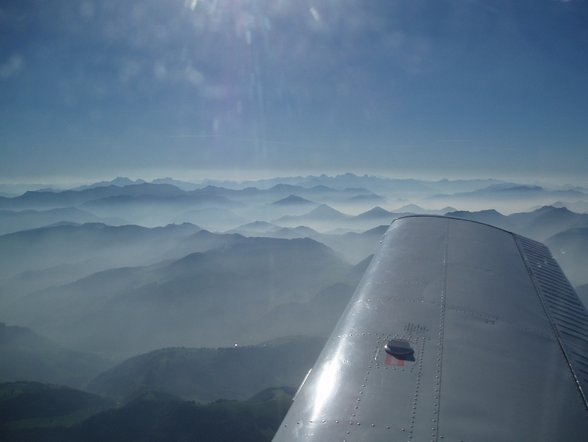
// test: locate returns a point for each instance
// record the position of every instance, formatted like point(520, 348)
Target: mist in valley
point(159, 289)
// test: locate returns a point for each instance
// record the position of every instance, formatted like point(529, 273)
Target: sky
point(440, 88)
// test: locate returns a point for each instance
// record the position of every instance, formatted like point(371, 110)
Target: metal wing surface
point(458, 331)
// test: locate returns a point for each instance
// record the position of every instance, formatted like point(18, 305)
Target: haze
point(190, 190)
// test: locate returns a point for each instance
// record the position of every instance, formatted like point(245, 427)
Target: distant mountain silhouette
point(352, 246)
point(255, 228)
point(295, 232)
point(418, 210)
point(321, 214)
point(15, 221)
point(490, 216)
point(376, 213)
point(504, 192)
point(373, 183)
point(118, 181)
point(318, 191)
point(96, 245)
point(203, 241)
point(258, 226)
point(184, 185)
point(576, 206)
point(366, 198)
point(70, 198)
point(325, 212)
point(508, 187)
point(538, 224)
point(182, 200)
point(212, 218)
point(288, 189)
point(547, 221)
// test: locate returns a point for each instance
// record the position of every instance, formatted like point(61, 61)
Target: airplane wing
point(458, 331)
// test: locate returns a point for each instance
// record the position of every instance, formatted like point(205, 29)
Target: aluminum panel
point(487, 361)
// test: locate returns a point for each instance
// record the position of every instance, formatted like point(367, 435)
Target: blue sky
point(411, 87)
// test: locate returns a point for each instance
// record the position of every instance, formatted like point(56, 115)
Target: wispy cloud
point(11, 67)
point(191, 4)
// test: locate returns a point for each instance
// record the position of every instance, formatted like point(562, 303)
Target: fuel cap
point(399, 348)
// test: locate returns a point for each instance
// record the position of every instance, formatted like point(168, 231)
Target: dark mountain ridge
point(207, 374)
point(38, 412)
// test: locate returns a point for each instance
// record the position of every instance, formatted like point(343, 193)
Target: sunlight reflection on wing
point(327, 383)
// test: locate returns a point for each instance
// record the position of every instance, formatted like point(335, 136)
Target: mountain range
point(204, 298)
point(539, 224)
point(151, 314)
point(14, 221)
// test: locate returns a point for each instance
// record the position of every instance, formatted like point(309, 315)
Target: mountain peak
point(325, 211)
point(375, 212)
point(292, 200)
point(552, 209)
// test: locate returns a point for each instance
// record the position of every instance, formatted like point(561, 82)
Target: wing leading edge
point(458, 331)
